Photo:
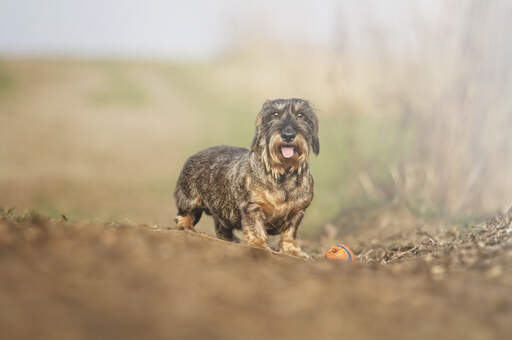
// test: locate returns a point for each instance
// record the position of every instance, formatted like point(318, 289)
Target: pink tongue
point(287, 151)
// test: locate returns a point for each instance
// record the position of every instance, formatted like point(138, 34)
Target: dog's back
point(209, 182)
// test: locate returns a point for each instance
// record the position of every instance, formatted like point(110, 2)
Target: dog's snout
point(288, 134)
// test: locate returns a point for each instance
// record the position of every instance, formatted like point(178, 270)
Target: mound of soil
point(60, 280)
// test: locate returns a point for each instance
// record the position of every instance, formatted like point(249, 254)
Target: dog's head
point(286, 130)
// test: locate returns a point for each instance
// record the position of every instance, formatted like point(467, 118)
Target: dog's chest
point(282, 202)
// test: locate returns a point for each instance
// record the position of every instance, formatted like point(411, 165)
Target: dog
point(262, 191)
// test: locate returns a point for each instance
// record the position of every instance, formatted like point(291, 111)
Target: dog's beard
point(281, 157)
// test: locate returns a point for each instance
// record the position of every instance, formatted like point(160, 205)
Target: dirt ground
point(62, 280)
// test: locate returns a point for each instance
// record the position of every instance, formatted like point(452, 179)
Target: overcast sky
point(184, 29)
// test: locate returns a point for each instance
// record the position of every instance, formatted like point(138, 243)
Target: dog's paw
point(184, 222)
point(262, 245)
point(181, 228)
point(291, 248)
point(302, 254)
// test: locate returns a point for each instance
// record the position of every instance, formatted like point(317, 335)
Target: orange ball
point(340, 252)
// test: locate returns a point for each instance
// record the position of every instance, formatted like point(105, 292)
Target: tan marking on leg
point(254, 240)
point(288, 244)
point(255, 235)
point(292, 248)
point(185, 222)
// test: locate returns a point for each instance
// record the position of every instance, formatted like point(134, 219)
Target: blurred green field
point(107, 139)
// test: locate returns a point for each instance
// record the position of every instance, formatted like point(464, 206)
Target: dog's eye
point(300, 115)
point(275, 114)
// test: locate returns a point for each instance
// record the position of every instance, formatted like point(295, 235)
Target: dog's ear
point(256, 139)
point(315, 141)
point(266, 104)
point(255, 142)
point(316, 144)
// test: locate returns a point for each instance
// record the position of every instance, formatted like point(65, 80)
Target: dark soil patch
point(105, 281)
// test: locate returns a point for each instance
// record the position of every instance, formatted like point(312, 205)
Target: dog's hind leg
point(189, 211)
point(224, 233)
point(186, 220)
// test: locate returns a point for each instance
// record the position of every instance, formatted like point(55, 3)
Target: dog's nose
point(288, 134)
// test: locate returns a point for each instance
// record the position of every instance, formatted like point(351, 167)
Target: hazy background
point(101, 102)
point(196, 29)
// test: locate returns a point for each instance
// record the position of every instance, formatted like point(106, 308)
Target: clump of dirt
point(62, 280)
point(456, 248)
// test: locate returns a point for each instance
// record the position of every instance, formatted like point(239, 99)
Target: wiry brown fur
point(259, 190)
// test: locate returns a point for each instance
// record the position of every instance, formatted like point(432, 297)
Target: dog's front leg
point(254, 229)
point(288, 242)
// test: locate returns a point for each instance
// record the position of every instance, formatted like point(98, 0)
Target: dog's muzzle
point(288, 134)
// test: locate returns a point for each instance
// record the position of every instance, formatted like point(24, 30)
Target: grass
point(119, 88)
point(225, 118)
point(6, 83)
point(20, 216)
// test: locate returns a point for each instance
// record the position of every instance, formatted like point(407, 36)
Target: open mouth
point(287, 151)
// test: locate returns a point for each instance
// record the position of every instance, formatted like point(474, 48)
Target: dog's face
point(286, 130)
